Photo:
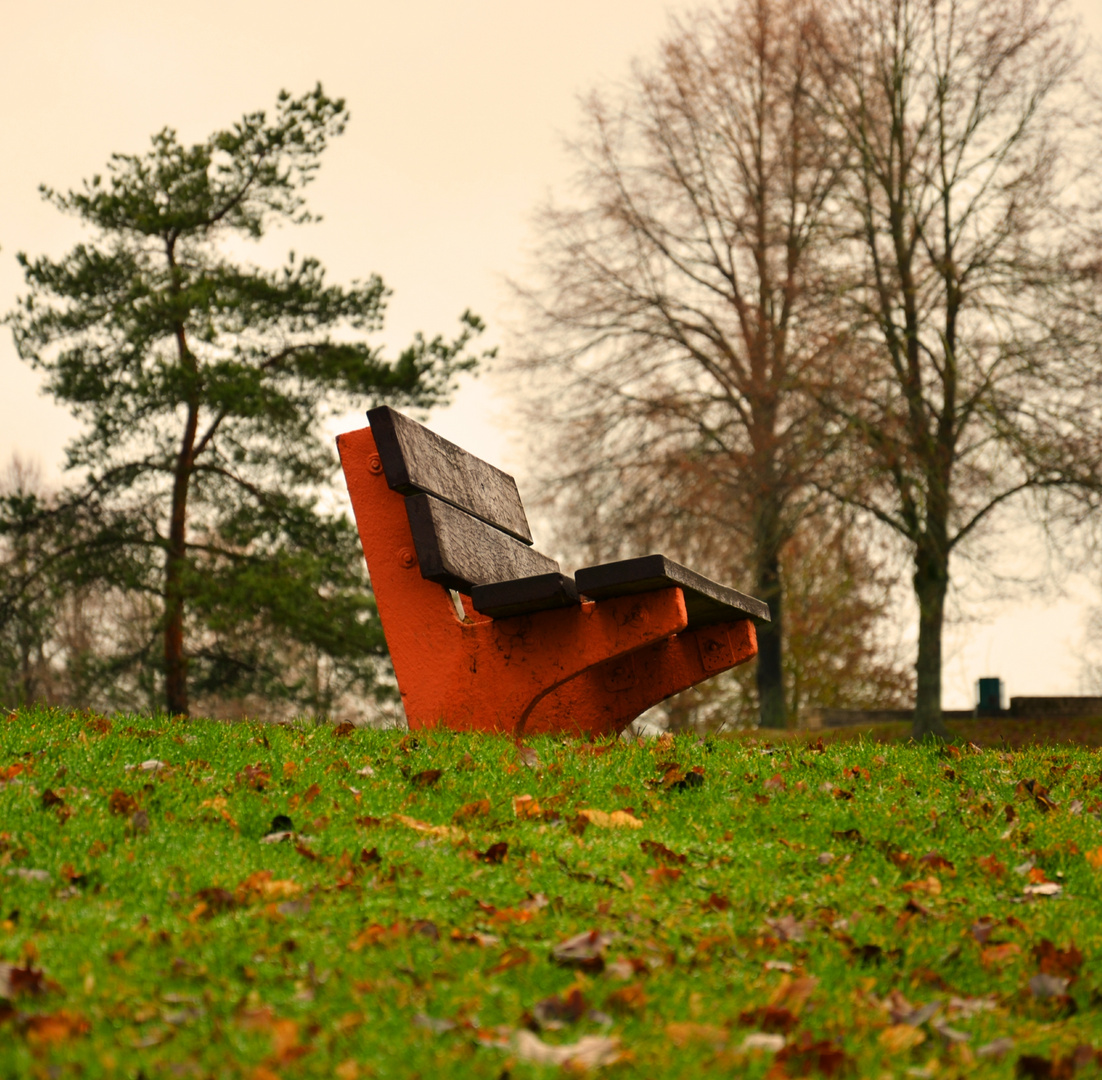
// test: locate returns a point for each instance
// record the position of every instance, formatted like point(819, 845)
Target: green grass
point(169, 940)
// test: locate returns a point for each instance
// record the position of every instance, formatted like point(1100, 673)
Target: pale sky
point(459, 111)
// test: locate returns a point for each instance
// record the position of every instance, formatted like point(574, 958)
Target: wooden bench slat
point(459, 551)
point(417, 460)
point(705, 600)
point(523, 596)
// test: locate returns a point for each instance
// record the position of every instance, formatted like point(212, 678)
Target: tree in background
point(969, 374)
point(203, 383)
point(839, 652)
point(681, 306)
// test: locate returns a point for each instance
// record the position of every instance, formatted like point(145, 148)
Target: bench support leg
point(605, 699)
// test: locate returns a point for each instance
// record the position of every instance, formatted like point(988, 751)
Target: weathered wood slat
point(705, 600)
point(459, 551)
point(417, 460)
point(523, 596)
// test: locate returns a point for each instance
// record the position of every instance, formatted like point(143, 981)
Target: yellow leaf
point(900, 1037)
point(618, 819)
point(1094, 858)
point(448, 832)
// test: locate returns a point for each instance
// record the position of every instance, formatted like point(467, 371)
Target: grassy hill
point(203, 899)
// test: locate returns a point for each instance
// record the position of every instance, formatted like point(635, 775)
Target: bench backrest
point(467, 518)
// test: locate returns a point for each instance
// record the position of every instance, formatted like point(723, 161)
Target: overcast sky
point(458, 115)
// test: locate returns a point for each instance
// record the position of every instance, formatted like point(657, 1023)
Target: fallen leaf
point(511, 958)
point(901, 1037)
point(471, 810)
point(584, 951)
point(1054, 961)
point(662, 853)
point(805, 1055)
point(495, 853)
point(51, 1028)
point(1044, 986)
point(120, 803)
point(427, 778)
point(618, 819)
point(627, 999)
point(589, 1052)
point(684, 1032)
point(769, 1044)
point(1046, 888)
point(448, 832)
point(931, 886)
point(525, 807)
point(664, 875)
point(262, 886)
point(992, 955)
point(770, 1018)
point(555, 1011)
point(788, 928)
point(775, 783)
point(990, 865)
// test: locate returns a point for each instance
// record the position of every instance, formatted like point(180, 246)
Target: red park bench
point(533, 650)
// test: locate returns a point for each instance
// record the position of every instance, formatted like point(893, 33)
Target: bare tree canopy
point(681, 305)
point(969, 373)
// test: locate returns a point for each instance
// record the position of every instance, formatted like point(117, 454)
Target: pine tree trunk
point(770, 671)
point(931, 581)
point(176, 696)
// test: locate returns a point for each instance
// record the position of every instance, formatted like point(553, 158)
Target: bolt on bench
point(533, 651)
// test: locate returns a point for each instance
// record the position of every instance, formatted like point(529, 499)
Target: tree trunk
point(176, 697)
point(770, 673)
point(931, 580)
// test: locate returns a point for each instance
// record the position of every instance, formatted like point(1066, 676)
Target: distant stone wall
point(1021, 708)
point(1034, 707)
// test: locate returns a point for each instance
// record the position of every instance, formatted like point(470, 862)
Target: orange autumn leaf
point(524, 807)
point(1094, 858)
point(681, 1034)
point(931, 886)
point(664, 875)
point(263, 886)
point(59, 1027)
point(994, 955)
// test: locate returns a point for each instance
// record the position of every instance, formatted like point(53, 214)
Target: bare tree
point(971, 374)
point(680, 307)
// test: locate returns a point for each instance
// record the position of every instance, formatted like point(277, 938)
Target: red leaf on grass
point(804, 1055)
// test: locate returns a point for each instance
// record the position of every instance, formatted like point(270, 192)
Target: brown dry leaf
point(775, 783)
point(990, 865)
point(447, 832)
point(683, 1033)
point(426, 778)
point(585, 951)
point(792, 993)
point(662, 853)
point(900, 1037)
point(993, 955)
point(618, 819)
point(256, 776)
point(769, 1018)
point(1054, 961)
point(289, 770)
point(589, 1052)
point(20, 980)
point(494, 854)
point(511, 958)
point(788, 928)
point(261, 886)
point(930, 886)
point(627, 999)
point(664, 875)
point(805, 1055)
point(934, 861)
point(479, 808)
point(120, 803)
point(51, 1028)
